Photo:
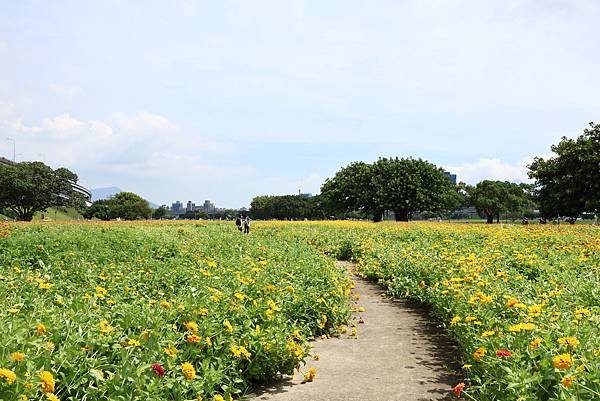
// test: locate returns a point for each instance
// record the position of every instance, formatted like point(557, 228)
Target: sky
point(226, 100)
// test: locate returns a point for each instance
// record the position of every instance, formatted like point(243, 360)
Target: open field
point(175, 310)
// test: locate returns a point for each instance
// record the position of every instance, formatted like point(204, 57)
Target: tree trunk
point(489, 218)
point(401, 215)
point(377, 216)
point(498, 217)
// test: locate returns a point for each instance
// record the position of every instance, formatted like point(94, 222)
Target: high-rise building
point(190, 207)
point(177, 207)
point(451, 177)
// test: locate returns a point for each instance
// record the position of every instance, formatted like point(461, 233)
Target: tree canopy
point(404, 186)
point(568, 184)
point(124, 205)
point(30, 187)
point(492, 198)
point(285, 207)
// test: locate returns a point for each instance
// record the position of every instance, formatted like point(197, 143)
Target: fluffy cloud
point(493, 169)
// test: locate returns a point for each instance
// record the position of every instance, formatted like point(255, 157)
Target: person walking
point(238, 222)
point(247, 225)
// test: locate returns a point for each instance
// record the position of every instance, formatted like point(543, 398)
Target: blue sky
point(225, 100)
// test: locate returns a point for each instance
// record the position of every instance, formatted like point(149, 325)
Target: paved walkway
point(397, 354)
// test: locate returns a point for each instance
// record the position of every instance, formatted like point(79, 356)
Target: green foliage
point(285, 207)
point(404, 186)
point(124, 205)
point(29, 187)
point(159, 213)
point(492, 198)
point(115, 298)
point(568, 184)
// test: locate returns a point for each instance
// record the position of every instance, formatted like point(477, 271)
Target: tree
point(411, 185)
point(492, 198)
point(568, 184)
point(159, 213)
point(405, 186)
point(100, 209)
point(284, 207)
point(351, 189)
point(30, 187)
point(124, 205)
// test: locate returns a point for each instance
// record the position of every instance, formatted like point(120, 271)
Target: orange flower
point(458, 389)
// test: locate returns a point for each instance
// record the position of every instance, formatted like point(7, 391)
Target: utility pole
point(14, 149)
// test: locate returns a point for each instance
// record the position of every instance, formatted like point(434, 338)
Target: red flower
point(503, 353)
point(160, 372)
point(458, 389)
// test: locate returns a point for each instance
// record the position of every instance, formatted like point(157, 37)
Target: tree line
point(565, 185)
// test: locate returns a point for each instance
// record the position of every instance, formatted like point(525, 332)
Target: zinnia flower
point(17, 356)
point(192, 326)
point(563, 361)
point(458, 389)
point(8, 375)
point(47, 381)
point(479, 353)
point(40, 329)
point(52, 397)
point(568, 341)
point(567, 381)
point(188, 371)
point(310, 375)
point(160, 372)
point(503, 353)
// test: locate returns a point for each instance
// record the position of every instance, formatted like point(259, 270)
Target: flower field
point(522, 302)
point(186, 311)
point(144, 311)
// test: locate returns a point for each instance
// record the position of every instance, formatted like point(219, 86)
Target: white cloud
point(3, 45)
point(65, 91)
point(493, 169)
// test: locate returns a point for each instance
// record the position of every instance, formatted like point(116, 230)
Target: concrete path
point(396, 354)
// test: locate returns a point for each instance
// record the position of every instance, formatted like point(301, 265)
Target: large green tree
point(568, 183)
point(404, 186)
point(29, 187)
point(124, 205)
point(352, 189)
point(492, 198)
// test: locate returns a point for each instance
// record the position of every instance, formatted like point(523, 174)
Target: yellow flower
point(240, 351)
point(105, 328)
point(170, 351)
point(535, 310)
point(133, 342)
point(203, 311)
point(469, 319)
point(46, 286)
point(165, 305)
point(567, 381)
point(17, 356)
point(219, 397)
point(52, 397)
point(101, 292)
point(568, 341)
point(208, 341)
point(192, 326)
point(193, 338)
point(228, 326)
point(188, 371)
point(479, 353)
point(535, 343)
point(47, 381)
point(8, 375)
point(580, 313)
point(40, 329)
point(455, 320)
point(563, 361)
point(310, 375)
point(488, 333)
point(512, 302)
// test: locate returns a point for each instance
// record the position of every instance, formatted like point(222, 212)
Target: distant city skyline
point(229, 100)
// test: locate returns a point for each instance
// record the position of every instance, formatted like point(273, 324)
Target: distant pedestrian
point(246, 225)
point(238, 222)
